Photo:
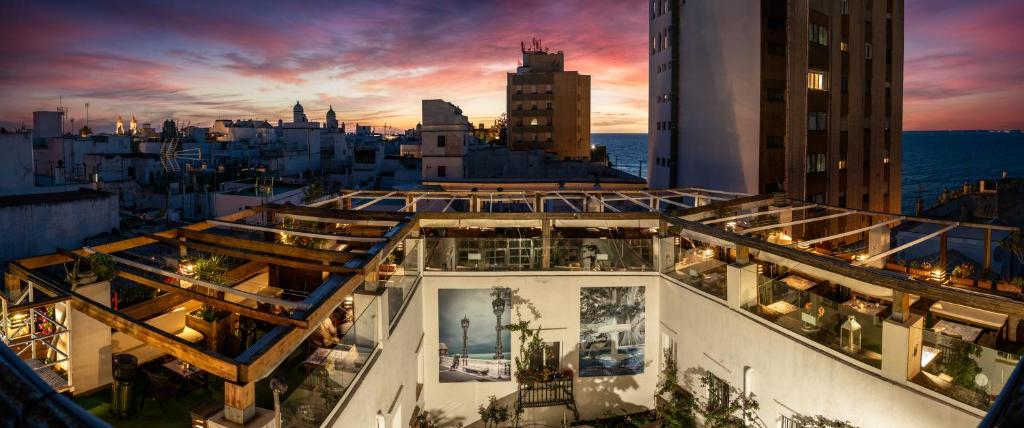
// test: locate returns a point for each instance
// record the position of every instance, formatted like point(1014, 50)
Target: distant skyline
point(200, 61)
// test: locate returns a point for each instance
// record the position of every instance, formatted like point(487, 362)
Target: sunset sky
point(375, 60)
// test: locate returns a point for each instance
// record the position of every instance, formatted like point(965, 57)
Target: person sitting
point(329, 332)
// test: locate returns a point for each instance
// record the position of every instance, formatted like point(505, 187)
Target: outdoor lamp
point(849, 336)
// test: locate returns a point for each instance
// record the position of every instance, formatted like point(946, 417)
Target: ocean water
point(932, 160)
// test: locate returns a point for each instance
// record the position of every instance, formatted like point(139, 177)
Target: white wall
point(40, 228)
point(90, 343)
point(720, 95)
point(394, 373)
point(789, 376)
point(557, 300)
point(17, 171)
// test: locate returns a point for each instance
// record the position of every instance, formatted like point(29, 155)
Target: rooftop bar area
point(319, 310)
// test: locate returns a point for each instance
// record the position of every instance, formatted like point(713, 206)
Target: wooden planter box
point(1007, 287)
point(384, 271)
point(215, 332)
point(968, 282)
point(985, 283)
point(895, 267)
point(919, 272)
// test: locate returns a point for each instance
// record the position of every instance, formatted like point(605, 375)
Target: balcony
point(528, 254)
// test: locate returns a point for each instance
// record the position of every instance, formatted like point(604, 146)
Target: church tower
point(133, 127)
point(298, 115)
point(119, 126)
point(332, 119)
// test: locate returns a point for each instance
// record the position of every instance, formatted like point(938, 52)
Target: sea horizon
point(966, 157)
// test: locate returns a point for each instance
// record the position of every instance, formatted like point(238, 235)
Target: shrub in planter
point(963, 274)
point(899, 265)
point(985, 279)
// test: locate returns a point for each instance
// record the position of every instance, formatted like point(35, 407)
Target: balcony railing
point(528, 254)
point(331, 372)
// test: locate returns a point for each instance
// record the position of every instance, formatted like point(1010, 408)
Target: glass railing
point(527, 254)
point(700, 267)
point(965, 362)
point(399, 282)
point(853, 327)
point(331, 371)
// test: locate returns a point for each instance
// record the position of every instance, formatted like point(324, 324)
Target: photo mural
point(612, 331)
point(474, 345)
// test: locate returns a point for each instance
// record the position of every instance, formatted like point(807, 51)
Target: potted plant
point(387, 267)
point(920, 268)
point(985, 279)
point(79, 274)
point(899, 265)
point(963, 274)
point(1014, 286)
point(102, 265)
point(213, 324)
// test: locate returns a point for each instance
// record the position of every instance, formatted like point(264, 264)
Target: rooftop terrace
point(274, 273)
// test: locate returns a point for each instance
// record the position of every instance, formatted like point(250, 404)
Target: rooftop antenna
point(86, 115)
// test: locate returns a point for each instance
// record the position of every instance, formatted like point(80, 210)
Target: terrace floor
point(179, 408)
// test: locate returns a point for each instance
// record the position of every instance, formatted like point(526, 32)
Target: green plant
point(678, 409)
point(820, 422)
point(210, 269)
point(960, 363)
point(494, 414)
point(313, 191)
point(1019, 281)
point(102, 265)
point(725, 414)
point(964, 270)
point(914, 264)
point(1014, 243)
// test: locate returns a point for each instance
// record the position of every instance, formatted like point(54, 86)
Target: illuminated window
point(842, 164)
point(534, 122)
point(843, 46)
point(816, 80)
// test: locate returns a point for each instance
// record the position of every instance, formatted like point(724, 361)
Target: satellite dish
point(981, 380)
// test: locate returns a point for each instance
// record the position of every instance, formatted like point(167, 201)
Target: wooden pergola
point(351, 245)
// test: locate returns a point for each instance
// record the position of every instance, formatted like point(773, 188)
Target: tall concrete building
point(760, 96)
point(548, 107)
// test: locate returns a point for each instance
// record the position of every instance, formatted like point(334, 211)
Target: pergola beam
point(276, 260)
point(374, 201)
point(759, 213)
point(349, 238)
point(845, 234)
point(879, 256)
point(796, 222)
point(567, 202)
point(641, 204)
point(243, 294)
point(213, 301)
point(667, 201)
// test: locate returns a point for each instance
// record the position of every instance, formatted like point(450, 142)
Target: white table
point(799, 283)
point(966, 332)
point(781, 307)
point(864, 307)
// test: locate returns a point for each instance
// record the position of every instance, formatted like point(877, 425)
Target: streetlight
point(499, 308)
point(465, 337)
point(278, 386)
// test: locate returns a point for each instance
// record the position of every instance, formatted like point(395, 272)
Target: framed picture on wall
point(612, 331)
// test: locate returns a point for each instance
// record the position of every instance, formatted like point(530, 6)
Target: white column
point(89, 342)
point(901, 348)
point(878, 243)
point(741, 283)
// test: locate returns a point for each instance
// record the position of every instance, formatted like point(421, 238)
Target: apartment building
point(548, 107)
point(803, 96)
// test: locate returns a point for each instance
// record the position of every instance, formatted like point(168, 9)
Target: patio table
point(864, 307)
point(966, 332)
point(799, 283)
